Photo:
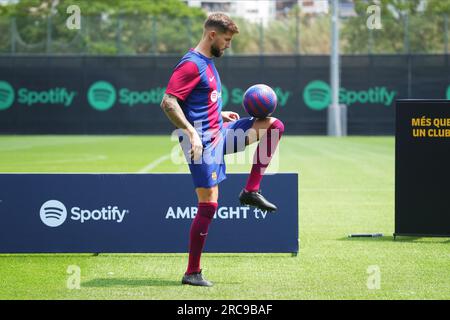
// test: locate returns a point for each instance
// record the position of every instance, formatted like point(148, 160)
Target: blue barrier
point(124, 213)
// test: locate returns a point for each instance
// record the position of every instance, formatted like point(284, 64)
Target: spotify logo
point(102, 95)
point(53, 213)
point(317, 95)
point(448, 93)
point(6, 95)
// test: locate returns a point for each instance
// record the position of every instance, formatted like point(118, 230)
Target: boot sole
point(195, 284)
point(252, 205)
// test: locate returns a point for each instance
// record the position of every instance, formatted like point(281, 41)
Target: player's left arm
point(228, 116)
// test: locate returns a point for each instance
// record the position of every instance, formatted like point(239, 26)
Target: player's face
point(221, 41)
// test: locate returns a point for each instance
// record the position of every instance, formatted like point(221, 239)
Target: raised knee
point(278, 125)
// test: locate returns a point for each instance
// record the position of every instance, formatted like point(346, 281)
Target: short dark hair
point(221, 22)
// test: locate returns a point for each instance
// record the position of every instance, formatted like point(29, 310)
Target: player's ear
point(212, 34)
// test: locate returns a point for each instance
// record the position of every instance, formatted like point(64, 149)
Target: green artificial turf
point(346, 186)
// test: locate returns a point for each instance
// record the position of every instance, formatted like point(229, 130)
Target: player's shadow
point(120, 282)
point(398, 239)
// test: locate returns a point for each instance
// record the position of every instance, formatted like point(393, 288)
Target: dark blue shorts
point(212, 169)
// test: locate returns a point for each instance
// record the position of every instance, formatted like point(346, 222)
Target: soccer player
point(193, 103)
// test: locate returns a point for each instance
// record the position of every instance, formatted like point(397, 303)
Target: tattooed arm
point(173, 111)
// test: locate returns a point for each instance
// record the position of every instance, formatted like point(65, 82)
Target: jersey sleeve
point(183, 80)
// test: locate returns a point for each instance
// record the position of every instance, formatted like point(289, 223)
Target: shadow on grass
point(255, 255)
point(398, 239)
point(104, 282)
point(147, 255)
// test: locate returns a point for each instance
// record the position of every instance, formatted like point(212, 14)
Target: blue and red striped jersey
point(196, 82)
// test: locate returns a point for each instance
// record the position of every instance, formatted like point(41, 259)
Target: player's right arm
point(184, 79)
point(173, 111)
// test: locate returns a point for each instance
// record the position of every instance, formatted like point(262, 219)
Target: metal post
point(297, 31)
point(189, 31)
point(49, 32)
point(335, 121)
point(13, 34)
point(406, 47)
point(261, 38)
point(85, 23)
point(409, 77)
point(154, 38)
point(446, 33)
point(408, 51)
point(119, 34)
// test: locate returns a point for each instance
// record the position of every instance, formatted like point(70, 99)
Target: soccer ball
point(260, 101)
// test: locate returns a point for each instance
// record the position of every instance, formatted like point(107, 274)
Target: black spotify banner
point(121, 95)
point(422, 171)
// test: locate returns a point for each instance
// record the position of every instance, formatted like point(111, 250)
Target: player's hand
point(196, 146)
point(230, 116)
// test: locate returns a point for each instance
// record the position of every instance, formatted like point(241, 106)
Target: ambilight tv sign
point(135, 213)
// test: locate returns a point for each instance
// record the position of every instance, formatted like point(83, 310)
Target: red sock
point(199, 230)
point(263, 154)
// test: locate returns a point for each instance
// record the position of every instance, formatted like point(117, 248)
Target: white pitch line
point(154, 164)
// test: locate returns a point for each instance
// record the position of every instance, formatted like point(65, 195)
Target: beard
point(215, 51)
